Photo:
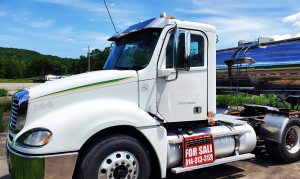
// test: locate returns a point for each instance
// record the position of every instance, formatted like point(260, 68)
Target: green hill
point(22, 63)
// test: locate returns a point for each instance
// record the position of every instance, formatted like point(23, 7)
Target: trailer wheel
point(115, 157)
point(289, 149)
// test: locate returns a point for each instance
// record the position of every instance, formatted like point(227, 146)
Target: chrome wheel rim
point(292, 139)
point(119, 165)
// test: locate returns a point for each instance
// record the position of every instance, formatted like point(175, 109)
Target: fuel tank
point(224, 146)
point(262, 66)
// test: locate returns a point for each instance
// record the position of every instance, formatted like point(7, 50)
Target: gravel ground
point(262, 167)
point(14, 87)
point(3, 165)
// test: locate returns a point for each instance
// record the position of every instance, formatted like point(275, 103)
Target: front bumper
point(37, 167)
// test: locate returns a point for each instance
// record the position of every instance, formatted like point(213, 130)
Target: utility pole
point(89, 60)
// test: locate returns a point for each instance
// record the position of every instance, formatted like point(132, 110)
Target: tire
point(288, 150)
point(115, 157)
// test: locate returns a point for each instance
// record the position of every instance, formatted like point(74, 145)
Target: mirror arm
point(174, 78)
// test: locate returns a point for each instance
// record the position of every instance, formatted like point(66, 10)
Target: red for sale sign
point(198, 150)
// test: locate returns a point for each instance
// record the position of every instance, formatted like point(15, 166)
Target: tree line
point(21, 63)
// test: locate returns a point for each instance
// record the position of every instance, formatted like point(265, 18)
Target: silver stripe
point(39, 156)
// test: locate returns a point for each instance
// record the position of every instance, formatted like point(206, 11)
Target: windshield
point(133, 51)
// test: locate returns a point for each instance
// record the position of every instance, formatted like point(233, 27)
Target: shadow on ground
point(5, 177)
point(220, 171)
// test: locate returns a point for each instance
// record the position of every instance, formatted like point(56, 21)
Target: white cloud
point(80, 4)
point(21, 17)
point(281, 37)
point(70, 40)
point(40, 24)
point(103, 37)
point(71, 35)
point(87, 49)
point(294, 19)
point(2, 14)
point(297, 24)
point(238, 21)
point(15, 29)
point(238, 24)
point(200, 11)
point(64, 34)
point(93, 37)
point(7, 37)
point(95, 6)
point(26, 18)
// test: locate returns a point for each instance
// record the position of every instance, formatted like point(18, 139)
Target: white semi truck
point(150, 110)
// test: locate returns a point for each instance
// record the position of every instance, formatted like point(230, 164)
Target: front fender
point(74, 124)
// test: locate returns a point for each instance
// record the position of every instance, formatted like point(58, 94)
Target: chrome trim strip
point(46, 166)
point(216, 162)
point(12, 125)
point(39, 156)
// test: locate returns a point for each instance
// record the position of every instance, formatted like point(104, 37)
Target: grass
point(24, 80)
point(240, 99)
point(3, 92)
point(3, 124)
point(5, 106)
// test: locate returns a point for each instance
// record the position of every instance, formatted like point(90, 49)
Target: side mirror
point(182, 41)
point(111, 46)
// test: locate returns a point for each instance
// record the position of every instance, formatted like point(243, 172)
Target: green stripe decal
point(87, 86)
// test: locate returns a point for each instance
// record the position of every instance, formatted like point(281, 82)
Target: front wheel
point(116, 157)
point(289, 149)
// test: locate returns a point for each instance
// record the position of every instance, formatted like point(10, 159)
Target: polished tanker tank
point(262, 66)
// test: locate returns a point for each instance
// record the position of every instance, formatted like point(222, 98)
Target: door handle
point(197, 110)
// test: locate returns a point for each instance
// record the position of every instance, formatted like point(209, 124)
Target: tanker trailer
point(262, 66)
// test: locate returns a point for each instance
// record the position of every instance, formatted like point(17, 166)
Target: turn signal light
point(37, 137)
point(211, 122)
point(46, 140)
point(210, 114)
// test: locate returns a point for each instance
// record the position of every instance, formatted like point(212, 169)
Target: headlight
point(35, 138)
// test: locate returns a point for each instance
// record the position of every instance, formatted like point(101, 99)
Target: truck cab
point(151, 109)
point(175, 90)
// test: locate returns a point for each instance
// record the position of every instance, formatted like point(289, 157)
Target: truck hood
point(81, 82)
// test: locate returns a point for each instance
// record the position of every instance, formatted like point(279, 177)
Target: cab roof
point(163, 21)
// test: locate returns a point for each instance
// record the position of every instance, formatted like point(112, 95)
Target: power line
point(110, 17)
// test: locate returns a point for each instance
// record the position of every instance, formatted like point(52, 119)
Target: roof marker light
point(170, 17)
point(163, 15)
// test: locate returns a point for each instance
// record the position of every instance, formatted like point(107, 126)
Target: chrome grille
point(14, 113)
point(18, 111)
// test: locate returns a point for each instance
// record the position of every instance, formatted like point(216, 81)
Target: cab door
point(184, 98)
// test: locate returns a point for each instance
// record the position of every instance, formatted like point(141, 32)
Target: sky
point(66, 28)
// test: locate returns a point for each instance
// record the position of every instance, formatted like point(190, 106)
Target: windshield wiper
point(122, 68)
point(128, 68)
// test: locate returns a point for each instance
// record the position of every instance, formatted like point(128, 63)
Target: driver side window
point(197, 51)
point(169, 52)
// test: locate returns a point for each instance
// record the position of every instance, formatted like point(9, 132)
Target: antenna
point(89, 60)
point(110, 17)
